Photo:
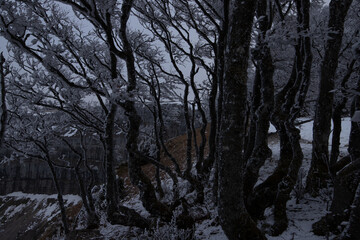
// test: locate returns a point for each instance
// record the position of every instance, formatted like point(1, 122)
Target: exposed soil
point(177, 147)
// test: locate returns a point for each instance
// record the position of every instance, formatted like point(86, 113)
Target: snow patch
point(307, 131)
point(71, 132)
point(70, 198)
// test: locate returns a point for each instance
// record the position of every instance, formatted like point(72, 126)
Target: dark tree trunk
point(234, 219)
point(199, 188)
point(304, 62)
point(216, 109)
point(93, 219)
point(112, 194)
point(354, 139)
point(282, 103)
point(220, 64)
point(59, 196)
point(255, 103)
point(319, 170)
point(264, 195)
point(3, 117)
point(201, 148)
point(159, 189)
point(337, 114)
point(137, 177)
point(92, 176)
point(288, 103)
point(193, 128)
point(209, 161)
point(188, 132)
point(335, 141)
point(111, 189)
point(118, 214)
point(288, 182)
point(346, 185)
point(353, 231)
point(264, 99)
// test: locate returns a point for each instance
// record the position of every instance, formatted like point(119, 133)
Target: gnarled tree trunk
point(111, 189)
point(319, 170)
point(337, 114)
point(234, 219)
point(137, 177)
point(288, 103)
point(346, 186)
point(3, 117)
point(353, 230)
point(263, 89)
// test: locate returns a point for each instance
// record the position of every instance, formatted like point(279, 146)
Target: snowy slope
point(28, 216)
point(33, 211)
point(309, 210)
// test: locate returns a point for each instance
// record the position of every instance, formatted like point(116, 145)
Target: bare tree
point(30, 137)
point(72, 68)
point(319, 171)
point(3, 118)
point(257, 150)
point(235, 221)
point(287, 105)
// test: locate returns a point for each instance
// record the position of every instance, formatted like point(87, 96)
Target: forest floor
point(22, 214)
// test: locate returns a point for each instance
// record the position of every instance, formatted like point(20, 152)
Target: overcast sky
point(3, 41)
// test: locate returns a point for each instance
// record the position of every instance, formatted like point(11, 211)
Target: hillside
point(25, 215)
point(33, 216)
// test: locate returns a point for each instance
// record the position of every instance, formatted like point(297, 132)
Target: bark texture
point(263, 89)
point(3, 117)
point(137, 177)
point(234, 219)
point(337, 114)
point(319, 170)
point(111, 189)
point(59, 195)
point(300, 87)
point(354, 139)
point(215, 130)
point(346, 186)
point(288, 103)
point(353, 230)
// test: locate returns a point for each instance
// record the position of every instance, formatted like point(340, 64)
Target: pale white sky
point(3, 41)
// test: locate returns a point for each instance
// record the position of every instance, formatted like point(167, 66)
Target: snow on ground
point(24, 216)
point(309, 210)
point(301, 215)
point(69, 199)
point(306, 131)
point(272, 129)
point(47, 205)
point(208, 230)
point(49, 208)
point(12, 210)
point(114, 231)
